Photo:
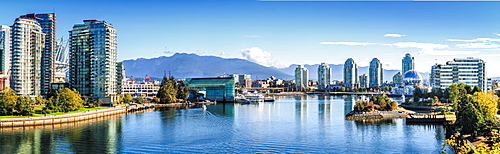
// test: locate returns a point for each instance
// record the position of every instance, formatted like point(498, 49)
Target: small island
point(378, 106)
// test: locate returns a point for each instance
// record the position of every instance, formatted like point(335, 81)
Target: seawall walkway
point(74, 117)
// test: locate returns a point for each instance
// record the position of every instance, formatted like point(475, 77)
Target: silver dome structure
point(412, 78)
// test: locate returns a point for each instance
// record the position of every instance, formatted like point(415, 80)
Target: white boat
point(268, 99)
point(254, 97)
point(241, 99)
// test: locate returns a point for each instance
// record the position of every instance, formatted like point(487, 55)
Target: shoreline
point(81, 116)
point(375, 115)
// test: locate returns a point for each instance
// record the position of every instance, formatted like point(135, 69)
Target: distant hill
point(182, 65)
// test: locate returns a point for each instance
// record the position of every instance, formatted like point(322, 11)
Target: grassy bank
point(55, 113)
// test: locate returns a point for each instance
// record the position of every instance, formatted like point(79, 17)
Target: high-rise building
point(5, 55)
point(376, 73)
point(408, 63)
point(93, 55)
point(48, 23)
point(350, 73)
point(28, 43)
point(301, 77)
point(364, 80)
point(120, 77)
point(397, 79)
point(434, 76)
point(324, 75)
point(470, 71)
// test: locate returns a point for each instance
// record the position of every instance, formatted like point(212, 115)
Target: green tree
point(140, 100)
point(417, 94)
point(65, 100)
point(457, 93)
point(474, 113)
point(24, 106)
point(383, 101)
point(167, 92)
point(469, 119)
point(8, 102)
point(182, 91)
point(128, 98)
point(486, 103)
point(359, 106)
point(39, 100)
point(476, 89)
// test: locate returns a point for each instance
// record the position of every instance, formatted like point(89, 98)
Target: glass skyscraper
point(408, 63)
point(324, 75)
point(93, 55)
point(363, 80)
point(376, 73)
point(350, 73)
point(5, 53)
point(397, 79)
point(301, 77)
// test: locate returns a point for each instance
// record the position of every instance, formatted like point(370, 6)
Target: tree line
point(476, 115)
point(62, 100)
point(376, 102)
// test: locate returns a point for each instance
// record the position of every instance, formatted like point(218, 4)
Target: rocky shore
point(375, 115)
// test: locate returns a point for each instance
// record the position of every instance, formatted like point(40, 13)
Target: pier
point(424, 118)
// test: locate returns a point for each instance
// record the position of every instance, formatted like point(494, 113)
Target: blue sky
point(280, 33)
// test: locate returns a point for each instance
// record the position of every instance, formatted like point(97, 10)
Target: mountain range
point(183, 65)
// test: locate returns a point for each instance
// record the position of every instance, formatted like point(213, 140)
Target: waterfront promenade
point(74, 117)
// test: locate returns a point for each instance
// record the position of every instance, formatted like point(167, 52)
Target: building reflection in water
point(324, 107)
point(92, 136)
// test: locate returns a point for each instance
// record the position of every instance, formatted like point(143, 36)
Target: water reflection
point(95, 136)
point(293, 124)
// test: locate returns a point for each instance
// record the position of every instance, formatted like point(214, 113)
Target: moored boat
point(254, 97)
point(268, 99)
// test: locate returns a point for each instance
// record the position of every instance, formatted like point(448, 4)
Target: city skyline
point(280, 33)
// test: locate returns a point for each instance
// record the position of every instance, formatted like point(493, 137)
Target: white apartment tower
point(324, 75)
point(470, 71)
point(47, 22)
point(350, 73)
point(301, 77)
point(93, 55)
point(376, 73)
point(28, 43)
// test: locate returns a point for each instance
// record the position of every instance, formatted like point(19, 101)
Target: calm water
point(308, 124)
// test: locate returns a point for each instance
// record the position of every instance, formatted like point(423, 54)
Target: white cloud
point(475, 40)
point(394, 35)
point(260, 56)
point(348, 43)
point(446, 52)
point(481, 45)
point(422, 46)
